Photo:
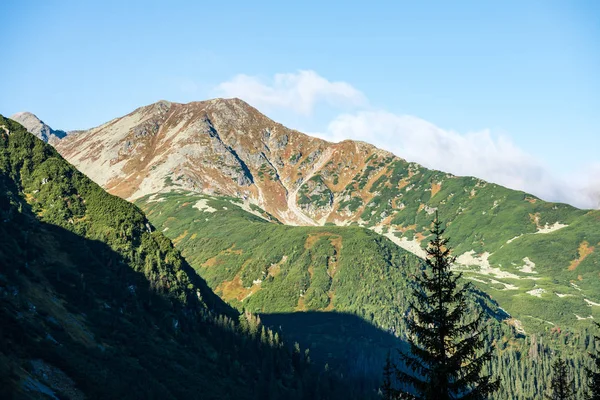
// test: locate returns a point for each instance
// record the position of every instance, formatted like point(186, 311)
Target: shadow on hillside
point(345, 342)
point(76, 304)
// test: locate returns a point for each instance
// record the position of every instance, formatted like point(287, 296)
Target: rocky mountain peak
point(37, 127)
point(220, 146)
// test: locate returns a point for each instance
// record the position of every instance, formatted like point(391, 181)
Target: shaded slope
point(339, 341)
point(96, 304)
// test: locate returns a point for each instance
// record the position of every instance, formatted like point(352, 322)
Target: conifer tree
point(594, 374)
point(561, 388)
point(387, 390)
point(446, 345)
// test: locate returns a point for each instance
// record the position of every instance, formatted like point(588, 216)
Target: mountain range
point(525, 252)
point(284, 225)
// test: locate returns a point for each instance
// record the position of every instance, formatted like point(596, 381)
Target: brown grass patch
point(420, 237)
point(275, 269)
point(379, 174)
point(275, 196)
point(314, 237)
point(301, 306)
point(331, 296)
point(403, 229)
point(124, 187)
point(403, 183)
point(211, 262)
point(535, 218)
point(435, 188)
point(234, 289)
point(180, 237)
point(530, 199)
point(336, 242)
point(584, 250)
point(387, 220)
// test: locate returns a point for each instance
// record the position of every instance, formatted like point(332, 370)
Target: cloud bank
point(299, 92)
point(482, 154)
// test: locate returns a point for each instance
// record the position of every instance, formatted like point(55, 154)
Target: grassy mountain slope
point(528, 254)
point(241, 256)
point(94, 303)
point(298, 277)
point(269, 267)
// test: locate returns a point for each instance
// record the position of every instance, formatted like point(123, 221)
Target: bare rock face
point(37, 127)
point(220, 146)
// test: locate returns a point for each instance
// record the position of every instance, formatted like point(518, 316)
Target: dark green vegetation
point(593, 373)
point(561, 386)
point(95, 303)
point(277, 271)
point(447, 348)
point(315, 192)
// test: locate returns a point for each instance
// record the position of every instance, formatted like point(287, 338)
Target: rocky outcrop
point(37, 127)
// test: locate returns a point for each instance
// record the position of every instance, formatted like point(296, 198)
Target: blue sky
point(523, 75)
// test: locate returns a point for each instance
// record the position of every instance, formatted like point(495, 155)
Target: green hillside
point(275, 270)
point(269, 267)
point(95, 303)
point(295, 276)
point(539, 260)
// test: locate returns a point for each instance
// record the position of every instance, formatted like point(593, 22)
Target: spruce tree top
point(446, 344)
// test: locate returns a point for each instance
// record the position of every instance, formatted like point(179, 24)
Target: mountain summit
point(220, 146)
point(36, 126)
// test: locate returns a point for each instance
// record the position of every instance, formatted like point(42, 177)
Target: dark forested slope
point(94, 303)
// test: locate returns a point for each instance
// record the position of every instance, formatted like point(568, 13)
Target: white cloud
point(588, 183)
point(299, 92)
